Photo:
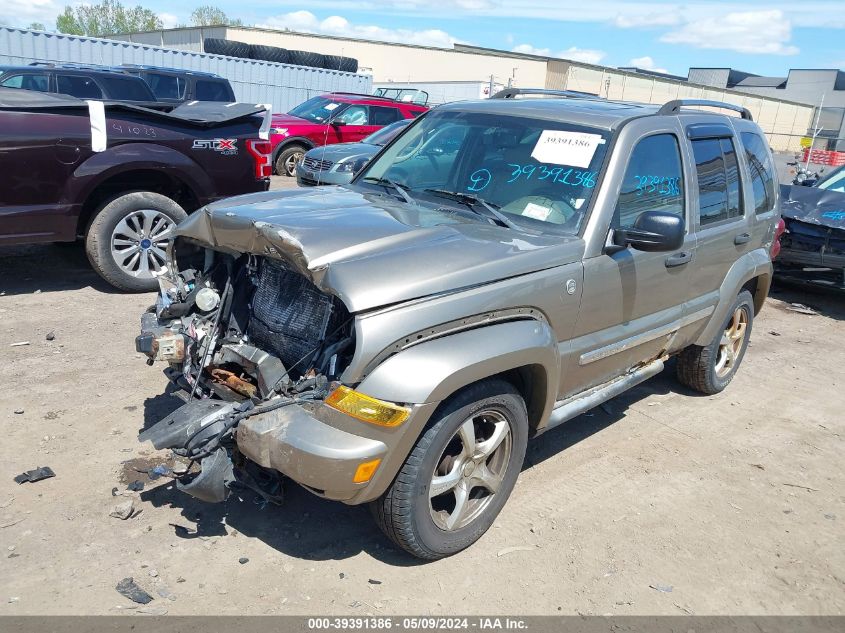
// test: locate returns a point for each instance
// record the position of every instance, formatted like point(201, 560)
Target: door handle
point(742, 238)
point(678, 259)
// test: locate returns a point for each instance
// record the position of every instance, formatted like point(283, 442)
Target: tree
point(208, 15)
point(37, 26)
point(110, 16)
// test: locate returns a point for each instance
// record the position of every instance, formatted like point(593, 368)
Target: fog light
point(366, 471)
point(365, 408)
point(207, 299)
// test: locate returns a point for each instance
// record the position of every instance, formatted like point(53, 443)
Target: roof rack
point(510, 93)
point(358, 94)
point(674, 107)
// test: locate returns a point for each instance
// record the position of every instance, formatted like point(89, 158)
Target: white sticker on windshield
point(536, 211)
point(330, 106)
point(566, 148)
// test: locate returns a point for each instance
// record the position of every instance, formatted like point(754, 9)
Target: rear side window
point(719, 195)
point(27, 81)
point(78, 86)
point(762, 172)
point(653, 181)
point(211, 91)
point(126, 89)
point(380, 115)
point(166, 86)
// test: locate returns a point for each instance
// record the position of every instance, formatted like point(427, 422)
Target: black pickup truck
point(121, 175)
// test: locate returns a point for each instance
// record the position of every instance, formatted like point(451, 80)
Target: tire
point(348, 65)
point(421, 525)
point(269, 53)
point(710, 369)
point(305, 58)
point(332, 62)
point(230, 48)
point(287, 160)
point(131, 217)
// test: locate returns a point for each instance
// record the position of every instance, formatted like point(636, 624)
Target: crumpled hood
point(813, 206)
point(372, 250)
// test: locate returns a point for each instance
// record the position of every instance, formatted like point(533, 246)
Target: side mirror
point(337, 123)
point(653, 231)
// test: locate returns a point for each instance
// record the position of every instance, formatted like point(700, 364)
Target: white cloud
point(760, 32)
point(646, 63)
point(586, 55)
point(340, 26)
point(670, 17)
point(169, 20)
point(22, 12)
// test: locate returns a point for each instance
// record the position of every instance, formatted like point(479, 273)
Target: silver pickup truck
point(499, 268)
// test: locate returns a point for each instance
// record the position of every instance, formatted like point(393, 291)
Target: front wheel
point(460, 473)
point(288, 159)
point(128, 239)
point(710, 369)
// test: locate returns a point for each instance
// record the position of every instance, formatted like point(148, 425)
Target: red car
point(337, 117)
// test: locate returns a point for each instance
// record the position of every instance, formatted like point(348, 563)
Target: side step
point(573, 406)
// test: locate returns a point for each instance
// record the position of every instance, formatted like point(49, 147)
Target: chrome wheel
point(470, 470)
point(292, 161)
point(139, 242)
point(733, 338)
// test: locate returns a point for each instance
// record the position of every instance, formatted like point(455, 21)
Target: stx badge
point(225, 146)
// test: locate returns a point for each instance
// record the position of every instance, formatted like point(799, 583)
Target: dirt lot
point(660, 502)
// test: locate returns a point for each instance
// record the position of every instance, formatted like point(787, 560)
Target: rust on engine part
point(234, 382)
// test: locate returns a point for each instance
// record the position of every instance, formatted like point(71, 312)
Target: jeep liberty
point(498, 269)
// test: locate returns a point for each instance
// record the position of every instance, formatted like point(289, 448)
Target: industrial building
point(784, 121)
point(821, 88)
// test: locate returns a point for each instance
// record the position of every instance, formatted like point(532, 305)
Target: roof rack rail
point(510, 93)
point(674, 107)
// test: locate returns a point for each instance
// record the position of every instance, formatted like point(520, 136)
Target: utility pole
point(490, 89)
point(816, 131)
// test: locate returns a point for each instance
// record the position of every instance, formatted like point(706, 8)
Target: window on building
point(762, 171)
point(654, 181)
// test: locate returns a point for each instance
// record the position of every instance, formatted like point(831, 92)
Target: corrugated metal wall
point(784, 123)
point(253, 81)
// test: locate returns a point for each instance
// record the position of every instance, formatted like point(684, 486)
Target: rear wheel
point(288, 159)
point(710, 369)
point(128, 239)
point(460, 473)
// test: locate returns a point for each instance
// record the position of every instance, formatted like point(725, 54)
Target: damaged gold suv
point(498, 269)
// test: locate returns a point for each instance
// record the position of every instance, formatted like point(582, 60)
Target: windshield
point(387, 133)
point(540, 174)
point(316, 109)
point(835, 181)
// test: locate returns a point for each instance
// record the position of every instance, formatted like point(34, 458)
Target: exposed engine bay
point(242, 336)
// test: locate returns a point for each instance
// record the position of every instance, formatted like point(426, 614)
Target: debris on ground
point(373, 581)
point(159, 471)
point(125, 510)
point(7, 503)
point(662, 588)
point(11, 523)
point(136, 486)
point(19, 344)
point(18, 411)
point(800, 308)
point(51, 335)
point(129, 589)
point(774, 333)
point(182, 531)
point(831, 517)
point(165, 593)
point(36, 474)
point(243, 560)
point(516, 548)
point(760, 466)
point(807, 488)
point(154, 610)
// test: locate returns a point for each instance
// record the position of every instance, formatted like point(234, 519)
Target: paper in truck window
point(331, 106)
point(558, 147)
point(536, 211)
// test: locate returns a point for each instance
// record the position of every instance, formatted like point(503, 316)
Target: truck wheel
point(459, 474)
point(288, 159)
point(709, 369)
point(127, 239)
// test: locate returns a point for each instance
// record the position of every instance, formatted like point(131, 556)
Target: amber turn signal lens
point(365, 408)
point(366, 471)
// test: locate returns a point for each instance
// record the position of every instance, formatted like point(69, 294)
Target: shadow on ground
point(47, 268)
point(830, 303)
point(311, 528)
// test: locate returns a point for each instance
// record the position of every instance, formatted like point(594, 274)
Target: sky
point(766, 38)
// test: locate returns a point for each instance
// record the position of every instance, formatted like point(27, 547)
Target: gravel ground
point(660, 502)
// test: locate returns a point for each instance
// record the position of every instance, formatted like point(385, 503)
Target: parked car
point(78, 81)
point(338, 164)
point(173, 85)
point(500, 268)
point(329, 119)
point(121, 181)
point(813, 246)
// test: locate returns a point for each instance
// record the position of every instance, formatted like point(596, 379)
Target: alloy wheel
point(733, 338)
point(139, 242)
